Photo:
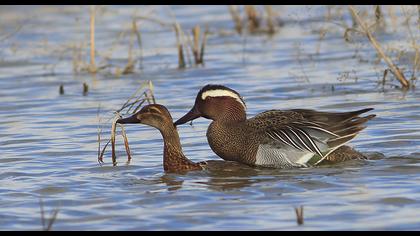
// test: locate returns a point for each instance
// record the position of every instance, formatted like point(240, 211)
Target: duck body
point(275, 138)
point(258, 141)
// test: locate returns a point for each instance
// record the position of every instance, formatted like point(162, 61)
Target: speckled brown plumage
point(174, 159)
point(344, 153)
point(159, 117)
point(272, 135)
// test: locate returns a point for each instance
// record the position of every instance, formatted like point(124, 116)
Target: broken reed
point(253, 19)
point(394, 69)
point(92, 67)
point(51, 220)
point(299, 215)
point(145, 93)
point(197, 49)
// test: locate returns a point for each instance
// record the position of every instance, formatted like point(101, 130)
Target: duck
point(275, 138)
point(158, 116)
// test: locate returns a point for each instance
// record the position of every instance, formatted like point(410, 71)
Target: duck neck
point(231, 112)
point(173, 157)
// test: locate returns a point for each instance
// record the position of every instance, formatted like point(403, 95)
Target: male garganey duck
point(274, 138)
point(159, 117)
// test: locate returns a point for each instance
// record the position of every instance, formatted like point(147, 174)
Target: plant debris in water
point(139, 97)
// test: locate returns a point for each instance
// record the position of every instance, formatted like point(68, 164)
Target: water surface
point(49, 141)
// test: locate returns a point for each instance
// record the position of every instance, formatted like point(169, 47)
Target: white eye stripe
point(222, 93)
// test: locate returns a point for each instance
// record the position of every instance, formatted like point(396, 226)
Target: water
point(49, 147)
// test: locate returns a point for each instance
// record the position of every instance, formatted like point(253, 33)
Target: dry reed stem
point(17, 29)
point(203, 44)
point(198, 51)
point(100, 159)
point(85, 89)
point(92, 66)
point(299, 215)
point(101, 156)
point(418, 15)
point(380, 21)
point(234, 12)
point(126, 104)
point(51, 220)
point(413, 42)
point(375, 44)
point(393, 16)
point(154, 20)
point(195, 49)
point(113, 130)
point(129, 67)
point(41, 206)
point(147, 95)
point(181, 59)
point(138, 106)
point(270, 23)
point(253, 18)
point(127, 147)
point(152, 89)
point(139, 42)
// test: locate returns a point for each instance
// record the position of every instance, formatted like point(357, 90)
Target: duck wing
point(296, 137)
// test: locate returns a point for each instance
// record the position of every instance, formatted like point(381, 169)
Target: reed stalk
point(299, 215)
point(92, 66)
point(270, 21)
point(113, 131)
point(100, 159)
point(181, 59)
point(127, 147)
point(234, 12)
point(52, 218)
point(196, 49)
point(139, 41)
point(136, 100)
point(85, 89)
point(413, 43)
point(203, 44)
point(394, 69)
point(253, 18)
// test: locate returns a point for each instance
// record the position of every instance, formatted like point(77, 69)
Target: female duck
point(274, 138)
point(159, 117)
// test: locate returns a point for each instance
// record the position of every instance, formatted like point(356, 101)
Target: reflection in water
point(228, 175)
point(172, 182)
point(219, 175)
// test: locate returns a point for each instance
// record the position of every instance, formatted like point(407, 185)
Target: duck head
point(155, 115)
point(216, 102)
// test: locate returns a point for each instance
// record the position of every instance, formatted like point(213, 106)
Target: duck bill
point(129, 120)
point(191, 115)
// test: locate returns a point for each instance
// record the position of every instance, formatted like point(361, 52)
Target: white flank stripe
point(222, 93)
point(291, 141)
point(321, 129)
point(281, 139)
point(312, 142)
point(301, 141)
